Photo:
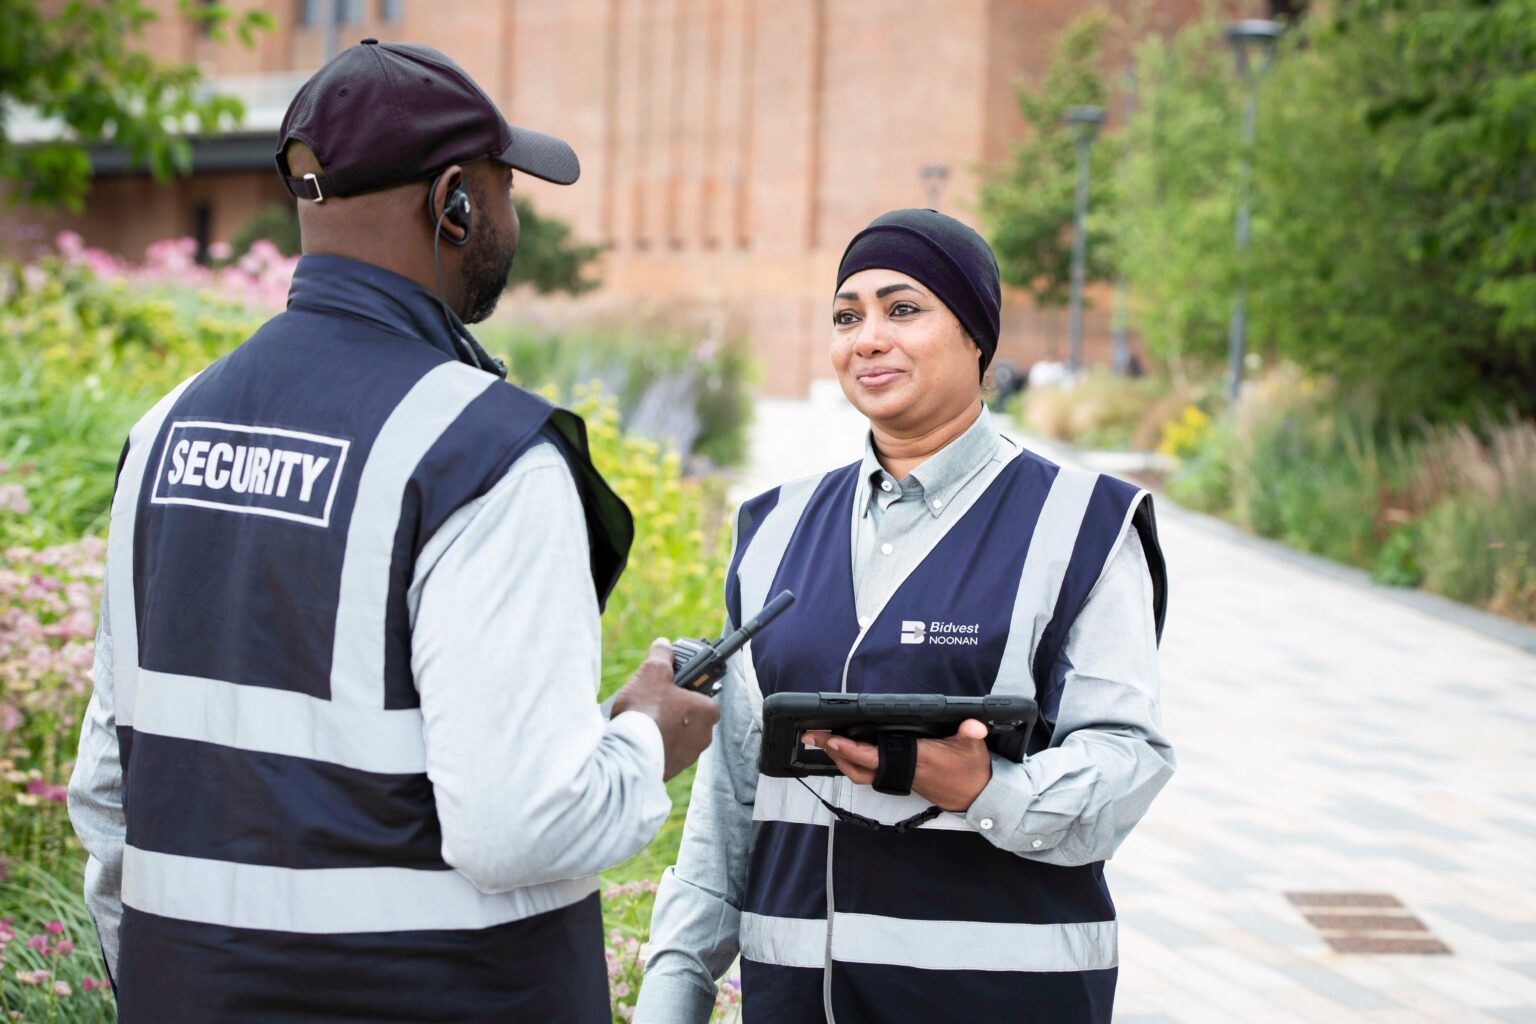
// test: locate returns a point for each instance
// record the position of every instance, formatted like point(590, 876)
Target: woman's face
point(901, 356)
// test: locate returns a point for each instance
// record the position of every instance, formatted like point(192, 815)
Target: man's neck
point(900, 452)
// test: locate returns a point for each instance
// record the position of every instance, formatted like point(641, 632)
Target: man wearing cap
point(343, 760)
point(943, 880)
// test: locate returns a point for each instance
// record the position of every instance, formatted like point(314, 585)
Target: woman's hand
point(950, 774)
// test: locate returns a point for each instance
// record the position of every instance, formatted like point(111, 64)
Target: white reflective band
point(787, 800)
point(931, 945)
point(785, 941)
point(427, 410)
point(322, 901)
point(761, 562)
point(273, 721)
point(121, 603)
point(1045, 566)
point(974, 945)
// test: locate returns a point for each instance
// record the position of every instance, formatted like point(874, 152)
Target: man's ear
point(443, 185)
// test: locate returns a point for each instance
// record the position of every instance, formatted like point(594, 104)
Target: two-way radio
point(699, 665)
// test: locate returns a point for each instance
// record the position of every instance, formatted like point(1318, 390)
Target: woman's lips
point(878, 377)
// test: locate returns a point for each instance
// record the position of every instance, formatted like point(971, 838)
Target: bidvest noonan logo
point(262, 471)
point(950, 633)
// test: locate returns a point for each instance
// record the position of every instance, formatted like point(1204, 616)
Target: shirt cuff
point(673, 999)
point(999, 810)
point(641, 729)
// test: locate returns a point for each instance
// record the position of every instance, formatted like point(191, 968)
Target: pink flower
point(56, 927)
point(88, 984)
point(38, 944)
point(62, 989)
point(64, 948)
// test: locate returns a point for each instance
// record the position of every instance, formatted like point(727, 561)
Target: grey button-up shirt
point(1071, 804)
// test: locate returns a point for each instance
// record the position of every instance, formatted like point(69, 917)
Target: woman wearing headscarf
point(947, 560)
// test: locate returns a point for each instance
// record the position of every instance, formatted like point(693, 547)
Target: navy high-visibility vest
point(284, 856)
point(844, 924)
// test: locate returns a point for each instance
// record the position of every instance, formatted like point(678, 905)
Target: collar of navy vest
point(941, 475)
point(352, 288)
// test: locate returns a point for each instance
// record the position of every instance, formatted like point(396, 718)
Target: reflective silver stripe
point(785, 941)
point(755, 573)
point(328, 900)
point(427, 410)
point(787, 800)
point(761, 562)
point(275, 721)
point(931, 945)
point(1045, 566)
point(974, 945)
point(120, 599)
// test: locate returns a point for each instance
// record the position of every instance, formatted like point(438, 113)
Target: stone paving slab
point(1330, 739)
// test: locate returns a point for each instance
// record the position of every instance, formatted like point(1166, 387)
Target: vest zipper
point(956, 515)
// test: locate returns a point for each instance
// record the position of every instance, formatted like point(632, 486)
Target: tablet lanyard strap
point(870, 824)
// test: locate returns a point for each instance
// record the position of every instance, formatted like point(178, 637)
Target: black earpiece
point(456, 210)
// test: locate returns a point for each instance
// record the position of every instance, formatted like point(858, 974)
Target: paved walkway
point(1330, 740)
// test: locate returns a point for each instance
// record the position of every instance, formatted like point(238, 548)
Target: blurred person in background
point(980, 895)
point(343, 760)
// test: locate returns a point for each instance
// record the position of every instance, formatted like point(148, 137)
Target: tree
point(1027, 208)
point(1174, 223)
point(548, 258)
point(1402, 226)
point(76, 65)
point(1394, 213)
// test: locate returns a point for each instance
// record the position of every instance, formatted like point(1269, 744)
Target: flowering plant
point(48, 603)
point(50, 964)
point(627, 915)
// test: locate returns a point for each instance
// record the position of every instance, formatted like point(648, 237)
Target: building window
point(389, 10)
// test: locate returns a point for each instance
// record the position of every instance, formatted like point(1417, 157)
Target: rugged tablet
point(866, 716)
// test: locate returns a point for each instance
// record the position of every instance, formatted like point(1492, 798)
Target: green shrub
point(671, 385)
point(1102, 410)
point(1451, 508)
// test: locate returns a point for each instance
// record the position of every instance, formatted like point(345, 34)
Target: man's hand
point(686, 719)
point(951, 773)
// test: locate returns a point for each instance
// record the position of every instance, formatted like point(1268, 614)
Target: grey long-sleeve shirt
point(1071, 804)
point(532, 784)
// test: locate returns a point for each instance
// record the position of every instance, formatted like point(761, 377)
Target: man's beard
point(487, 263)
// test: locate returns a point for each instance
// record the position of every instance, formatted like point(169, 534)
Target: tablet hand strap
point(898, 762)
point(870, 824)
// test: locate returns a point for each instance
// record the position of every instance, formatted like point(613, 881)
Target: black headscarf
point(950, 259)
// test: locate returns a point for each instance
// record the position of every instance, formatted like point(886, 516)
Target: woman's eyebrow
point(888, 289)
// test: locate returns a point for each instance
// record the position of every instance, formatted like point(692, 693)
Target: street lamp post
point(1085, 122)
point(934, 176)
point(1253, 44)
point(1122, 315)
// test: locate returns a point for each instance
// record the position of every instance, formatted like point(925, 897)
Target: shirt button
point(938, 503)
point(886, 549)
point(1038, 843)
point(864, 621)
point(885, 485)
point(985, 823)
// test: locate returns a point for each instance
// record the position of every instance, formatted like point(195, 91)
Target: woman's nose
point(871, 339)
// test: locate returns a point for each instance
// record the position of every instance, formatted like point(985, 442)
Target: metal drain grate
point(1366, 922)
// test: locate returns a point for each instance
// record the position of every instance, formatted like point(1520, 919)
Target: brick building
point(730, 148)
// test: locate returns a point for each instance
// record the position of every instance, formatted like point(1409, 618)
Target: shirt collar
point(937, 479)
point(337, 284)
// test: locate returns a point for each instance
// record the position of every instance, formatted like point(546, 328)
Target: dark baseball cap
point(381, 114)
